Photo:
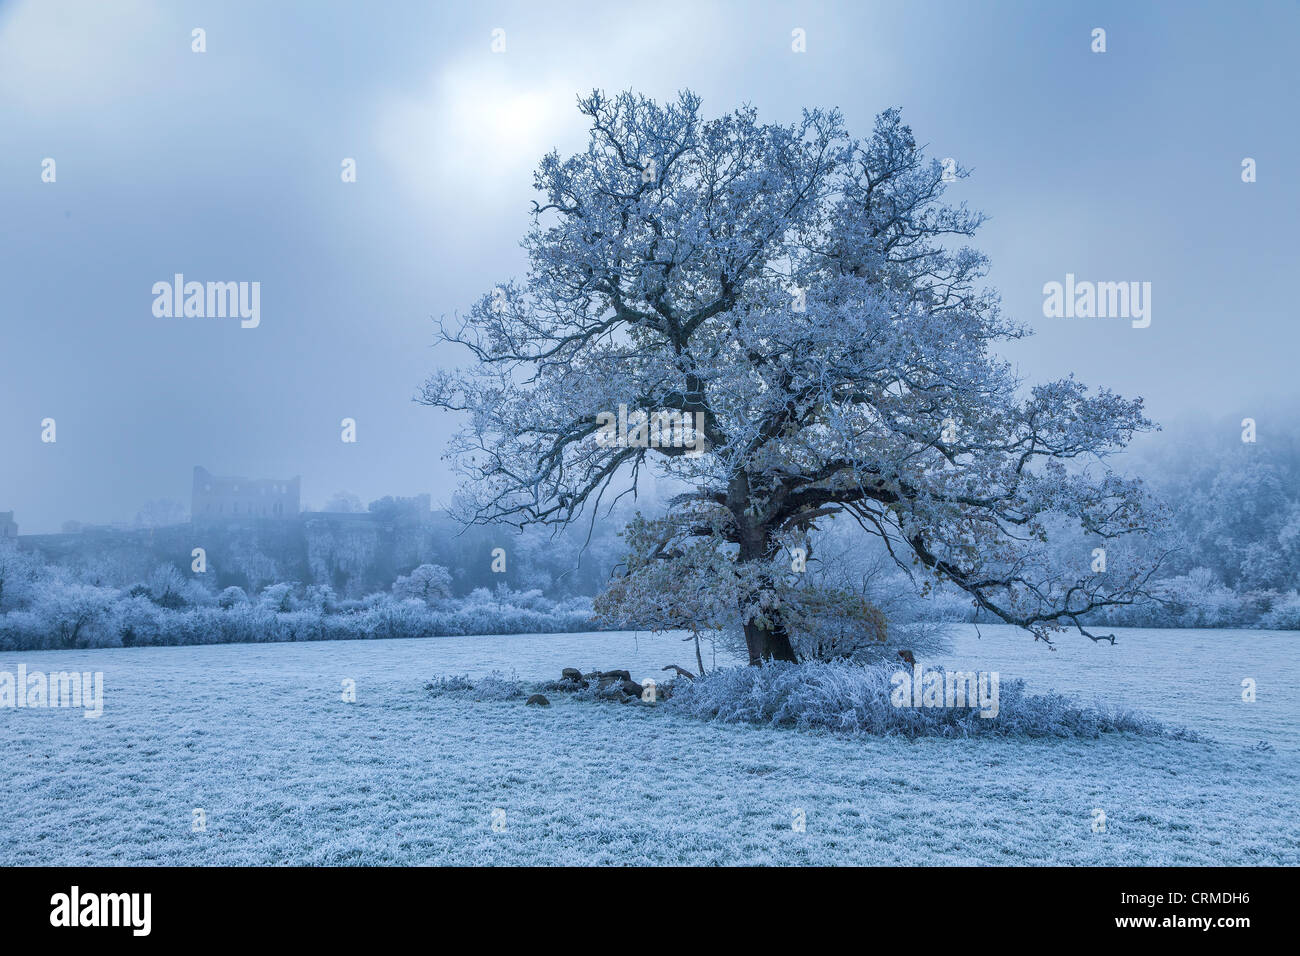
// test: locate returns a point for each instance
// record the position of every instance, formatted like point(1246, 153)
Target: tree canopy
point(806, 300)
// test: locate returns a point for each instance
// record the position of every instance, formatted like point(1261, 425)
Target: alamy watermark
point(666, 428)
point(211, 300)
point(56, 689)
point(1098, 300)
point(937, 688)
point(75, 908)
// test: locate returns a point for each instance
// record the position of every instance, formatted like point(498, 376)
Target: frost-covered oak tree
point(802, 299)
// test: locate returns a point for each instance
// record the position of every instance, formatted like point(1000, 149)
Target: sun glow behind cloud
point(475, 131)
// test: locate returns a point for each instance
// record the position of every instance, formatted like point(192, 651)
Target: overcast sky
point(225, 165)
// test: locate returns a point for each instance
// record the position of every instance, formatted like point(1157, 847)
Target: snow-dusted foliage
point(1285, 614)
point(53, 612)
point(1200, 599)
point(429, 583)
point(231, 596)
point(801, 297)
point(494, 686)
point(19, 572)
point(277, 597)
point(851, 698)
point(901, 616)
point(1236, 504)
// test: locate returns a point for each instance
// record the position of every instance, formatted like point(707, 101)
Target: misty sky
point(225, 165)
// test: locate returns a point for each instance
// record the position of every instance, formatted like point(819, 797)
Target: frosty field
point(287, 773)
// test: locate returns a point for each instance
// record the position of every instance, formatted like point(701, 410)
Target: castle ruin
point(217, 499)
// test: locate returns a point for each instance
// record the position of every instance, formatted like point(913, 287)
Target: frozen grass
point(259, 737)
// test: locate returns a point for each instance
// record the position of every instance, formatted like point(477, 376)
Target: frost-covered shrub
point(65, 612)
point(192, 626)
point(243, 623)
point(71, 614)
point(231, 597)
point(948, 606)
point(862, 608)
point(321, 598)
point(299, 626)
point(825, 642)
point(1199, 599)
point(474, 617)
point(391, 619)
point(452, 684)
point(531, 600)
point(138, 622)
point(19, 575)
point(1284, 614)
point(277, 597)
point(196, 593)
point(167, 587)
point(857, 699)
point(22, 631)
point(429, 583)
point(495, 686)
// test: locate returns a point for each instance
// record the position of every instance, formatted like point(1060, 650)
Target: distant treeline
point(46, 609)
point(1234, 538)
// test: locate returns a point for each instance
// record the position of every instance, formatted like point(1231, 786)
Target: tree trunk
point(765, 642)
point(768, 644)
